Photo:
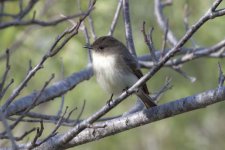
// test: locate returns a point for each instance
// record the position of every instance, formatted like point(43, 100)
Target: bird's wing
point(133, 66)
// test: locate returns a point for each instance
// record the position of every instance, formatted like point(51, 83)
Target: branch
point(161, 19)
point(38, 22)
point(115, 18)
point(84, 124)
point(56, 90)
point(221, 76)
point(111, 104)
point(149, 42)
point(146, 61)
point(3, 89)
point(55, 48)
point(8, 131)
point(128, 29)
point(147, 116)
point(167, 110)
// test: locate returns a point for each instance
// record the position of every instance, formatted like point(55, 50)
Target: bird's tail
point(148, 102)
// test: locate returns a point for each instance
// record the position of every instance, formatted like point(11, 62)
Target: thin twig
point(165, 36)
point(54, 49)
point(38, 22)
point(128, 29)
point(7, 68)
point(149, 42)
point(167, 86)
point(8, 131)
point(63, 96)
point(80, 114)
point(20, 137)
point(70, 113)
point(33, 103)
point(6, 88)
point(182, 73)
point(161, 19)
point(115, 18)
point(91, 22)
point(86, 35)
point(39, 132)
point(186, 25)
point(54, 131)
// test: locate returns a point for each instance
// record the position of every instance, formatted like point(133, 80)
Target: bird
point(116, 69)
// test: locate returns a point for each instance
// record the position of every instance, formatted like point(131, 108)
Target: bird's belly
point(114, 81)
point(111, 76)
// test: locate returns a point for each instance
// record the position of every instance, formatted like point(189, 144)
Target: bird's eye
point(101, 47)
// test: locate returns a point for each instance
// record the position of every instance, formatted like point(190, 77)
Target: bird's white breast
point(109, 75)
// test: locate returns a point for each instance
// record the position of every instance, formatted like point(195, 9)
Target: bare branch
point(186, 25)
point(39, 132)
point(8, 131)
point(38, 22)
point(53, 133)
point(115, 18)
point(56, 90)
point(92, 131)
point(149, 42)
point(216, 50)
point(208, 15)
point(91, 22)
point(128, 29)
point(7, 68)
point(79, 115)
point(86, 35)
point(167, 86)
point(6, 88)
point(80, 127)
point(182, 73)
point(112, 127)
point(165, 38)
point(62, 97)
point(67, 137)
point(25, 11)
point(20, 137)
point(161, 19)
point(33, 103)
point(147, 116)
point(52, 51)
point(221, 76)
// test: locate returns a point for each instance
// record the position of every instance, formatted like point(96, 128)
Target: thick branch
point(148, 116)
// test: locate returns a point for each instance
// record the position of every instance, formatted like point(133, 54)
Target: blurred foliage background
point(201, 129)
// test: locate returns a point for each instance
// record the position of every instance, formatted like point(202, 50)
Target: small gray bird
point(116, 69)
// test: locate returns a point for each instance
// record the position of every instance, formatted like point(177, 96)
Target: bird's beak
point(87, 46)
